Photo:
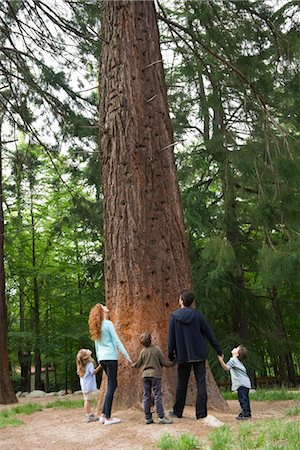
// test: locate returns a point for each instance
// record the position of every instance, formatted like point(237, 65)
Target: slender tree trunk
point(146, 255)
point(36, 307)
point(7, 394)
point(24, 354)
point(231, 227)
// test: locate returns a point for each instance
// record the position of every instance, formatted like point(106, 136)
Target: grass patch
point(221, 438)
point(67, 404)
point(266, 394)
point(184, 441)
point(293, 411)
point(8, 416)
point(263, 435)
point(5, 421)
point(28, 408)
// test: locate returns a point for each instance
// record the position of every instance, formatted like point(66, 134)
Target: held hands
point(220, 358)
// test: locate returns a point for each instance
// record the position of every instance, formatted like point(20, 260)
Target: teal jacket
point(109, 343)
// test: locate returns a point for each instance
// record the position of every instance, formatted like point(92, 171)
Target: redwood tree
point(146, 255)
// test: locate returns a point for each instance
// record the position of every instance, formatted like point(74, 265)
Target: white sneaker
point(211, 421)
point(111, 421)
point(102, 418)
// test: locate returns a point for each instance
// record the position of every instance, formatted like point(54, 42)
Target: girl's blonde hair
point(95, 321)
point(82, 359)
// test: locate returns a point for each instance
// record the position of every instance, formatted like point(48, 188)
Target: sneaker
point(148, 421)
point(211, 421)
point(172, 414)
point(164, 421)
point(102, 418)
point(92, 418)
point(111, 421)
point(243, 417)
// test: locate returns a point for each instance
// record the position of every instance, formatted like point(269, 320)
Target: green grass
point(266, 394)
point(184, 441)
point(5, 421)
point(8, 416)
point(221, 438)
point(66, 404)
point(293, 411)
point(28, 408)
point(262, 435)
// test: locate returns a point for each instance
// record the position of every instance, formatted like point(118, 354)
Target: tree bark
point(146, 255)
point(7, 394)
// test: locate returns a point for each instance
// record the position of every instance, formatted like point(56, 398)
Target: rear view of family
point(187, 335)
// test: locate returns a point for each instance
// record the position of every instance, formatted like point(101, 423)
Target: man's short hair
point(145, 339)
point(187, 297)
point(242, 353)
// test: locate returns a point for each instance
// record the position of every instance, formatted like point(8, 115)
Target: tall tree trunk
point(146, 255)
point(24, 355)
point(231, 227)
point(36, 306)
point(7, 394)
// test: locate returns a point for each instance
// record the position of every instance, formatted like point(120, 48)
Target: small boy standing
point(240, 381)
point(151, 361)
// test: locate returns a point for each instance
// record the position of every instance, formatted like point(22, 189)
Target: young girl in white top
point(86, 371)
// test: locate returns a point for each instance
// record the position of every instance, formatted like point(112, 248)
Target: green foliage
point(234, 98)
point(184, 441)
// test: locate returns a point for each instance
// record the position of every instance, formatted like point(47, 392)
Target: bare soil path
point(58, 429)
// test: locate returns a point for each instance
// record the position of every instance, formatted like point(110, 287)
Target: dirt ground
point(59, 429)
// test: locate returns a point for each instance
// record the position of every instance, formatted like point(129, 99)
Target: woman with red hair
point(107, 344)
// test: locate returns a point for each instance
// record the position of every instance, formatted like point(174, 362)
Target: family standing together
point(187, 334)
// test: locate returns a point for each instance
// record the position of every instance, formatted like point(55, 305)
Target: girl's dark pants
point(110, 367)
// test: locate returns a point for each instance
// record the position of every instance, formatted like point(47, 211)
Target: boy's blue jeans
point(243, 396)
point(152, 384)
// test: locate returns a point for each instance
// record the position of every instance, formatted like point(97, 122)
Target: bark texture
point(146, 255)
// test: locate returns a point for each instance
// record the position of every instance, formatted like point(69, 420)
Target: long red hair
point(95, 321)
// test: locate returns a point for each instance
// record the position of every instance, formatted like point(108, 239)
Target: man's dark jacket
point(188, 331)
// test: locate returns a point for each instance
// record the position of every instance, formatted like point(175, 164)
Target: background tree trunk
point(7, 394)
point(146, 255)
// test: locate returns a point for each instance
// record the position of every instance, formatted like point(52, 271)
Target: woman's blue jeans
point(110, 367)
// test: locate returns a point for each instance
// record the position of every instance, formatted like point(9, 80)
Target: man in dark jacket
point(188, 331)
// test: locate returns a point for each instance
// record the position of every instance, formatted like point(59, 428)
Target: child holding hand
point(240, 381)
point(151, 361)
point(86, 371)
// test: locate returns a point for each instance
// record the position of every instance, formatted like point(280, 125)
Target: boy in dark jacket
point(151, 361)
point(188, 331)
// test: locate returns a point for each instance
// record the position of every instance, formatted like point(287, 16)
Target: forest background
point(232, 72)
